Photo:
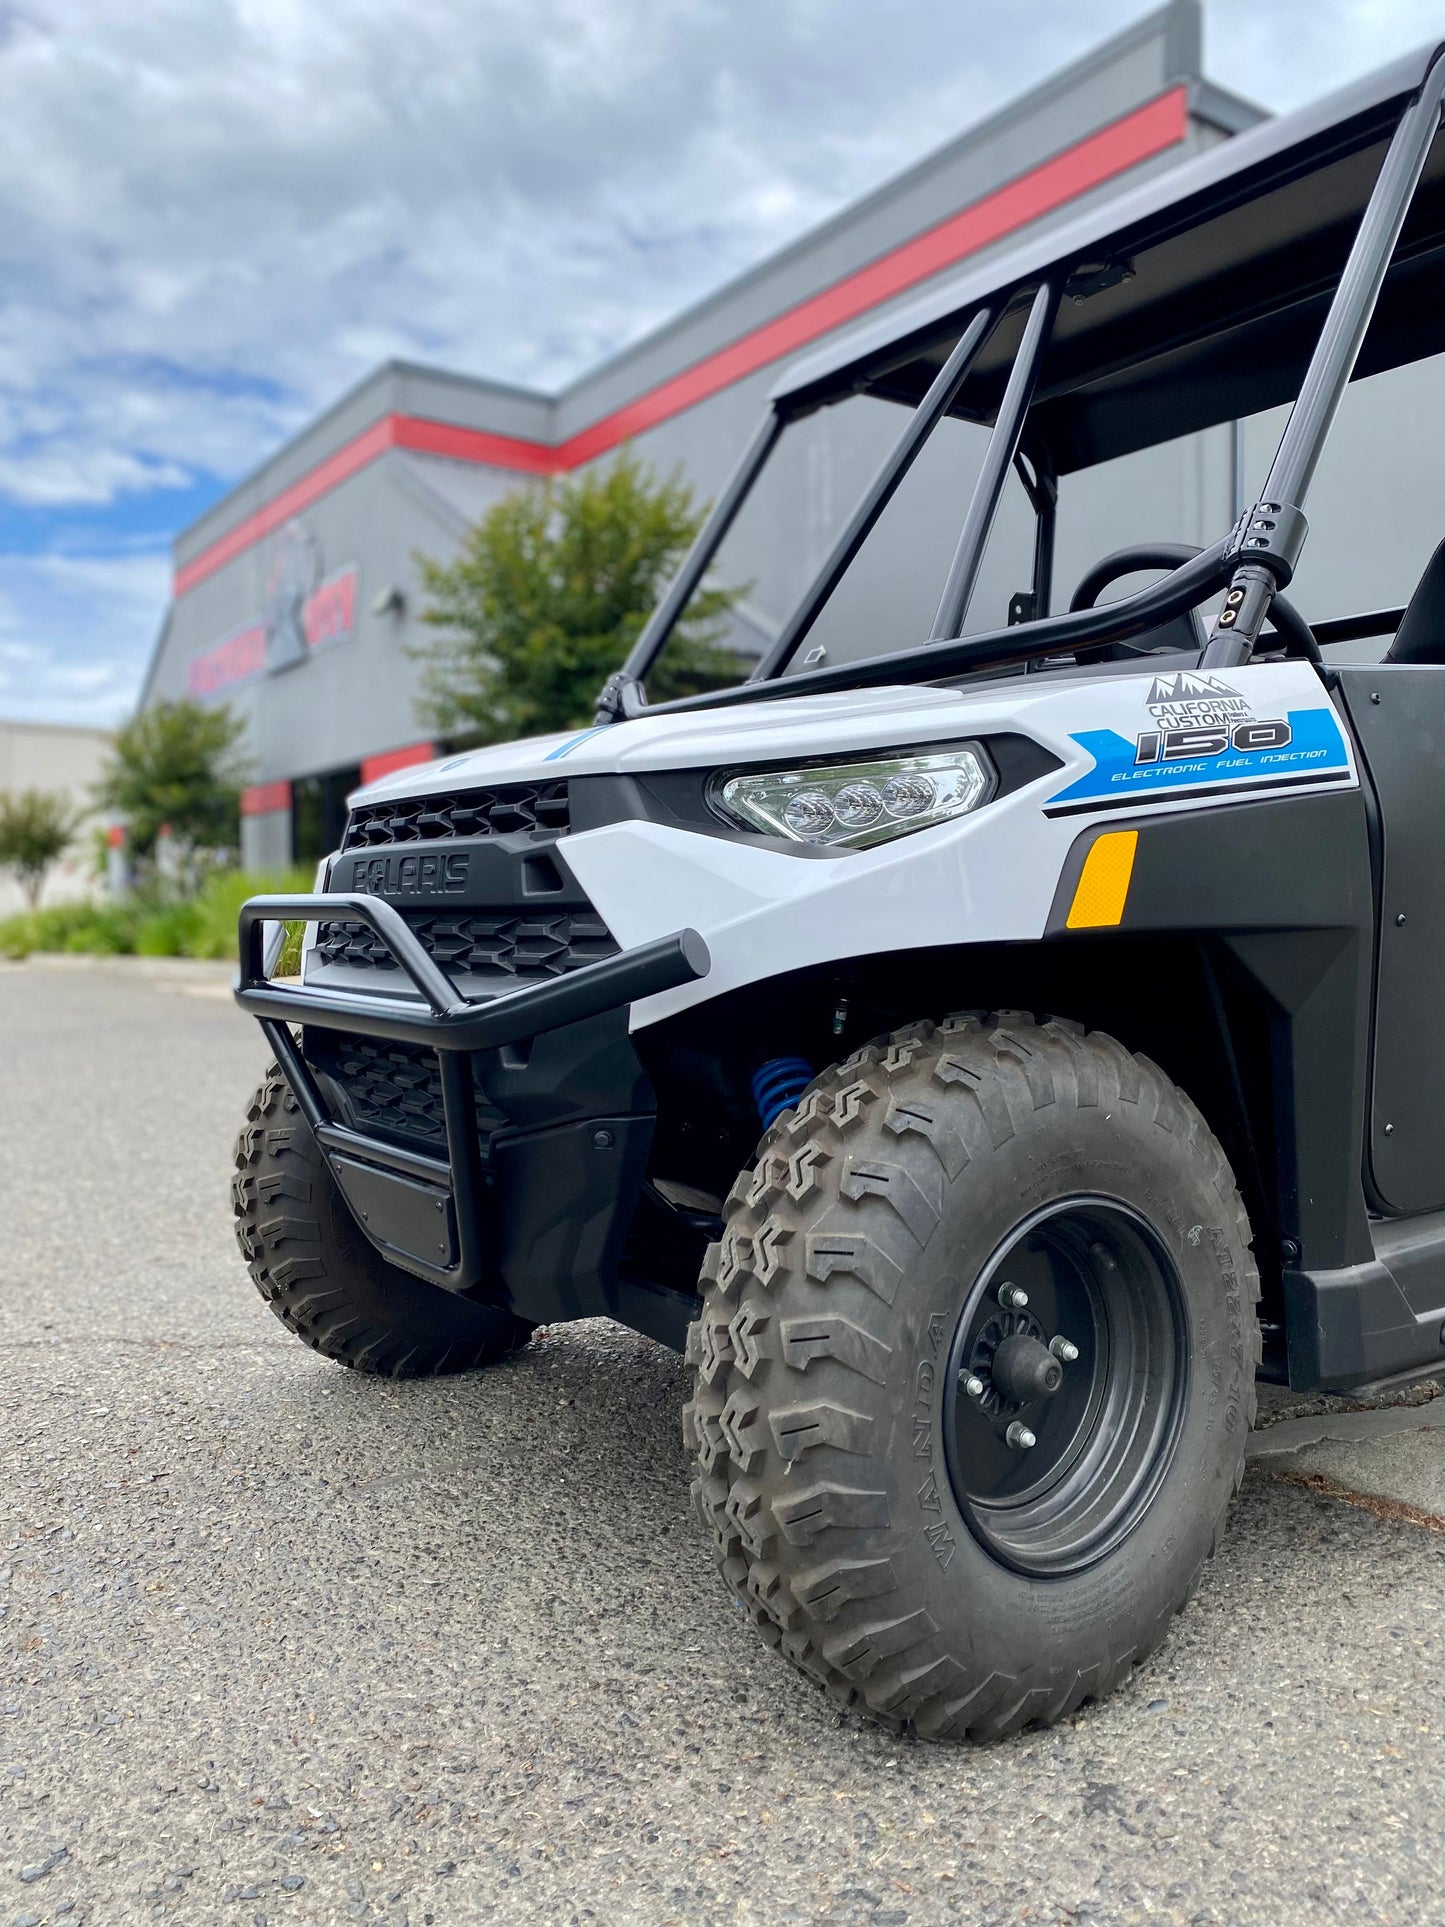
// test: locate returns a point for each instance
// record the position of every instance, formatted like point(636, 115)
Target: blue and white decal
point(1204, 738)
point(573, 742)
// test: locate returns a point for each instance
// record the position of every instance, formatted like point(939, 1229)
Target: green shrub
point(105, 928)
point(16, 936)
point(219, 903)
point(175, 766)
point(110, 931)
point(168, 932)
point(288, 963)
point(199, 926)
point(549, 592)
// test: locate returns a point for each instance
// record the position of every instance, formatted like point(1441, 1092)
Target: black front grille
point(501, 811)
point(510, 947)
point(391, 1087)
point(395, 1089)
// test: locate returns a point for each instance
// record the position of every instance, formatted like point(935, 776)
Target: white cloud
point(75, 633)
point(62, 473)
point(217, 214)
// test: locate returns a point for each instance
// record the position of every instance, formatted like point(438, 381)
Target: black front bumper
point(450, 1220)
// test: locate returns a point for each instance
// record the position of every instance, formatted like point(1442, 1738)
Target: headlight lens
point(858, 804)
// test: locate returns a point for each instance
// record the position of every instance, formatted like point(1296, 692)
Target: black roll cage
point(1253, 563)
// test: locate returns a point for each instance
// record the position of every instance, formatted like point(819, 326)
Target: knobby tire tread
point(321, 1277)
point(788, 1546)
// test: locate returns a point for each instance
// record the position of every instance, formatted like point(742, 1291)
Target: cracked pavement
point(284, 1646)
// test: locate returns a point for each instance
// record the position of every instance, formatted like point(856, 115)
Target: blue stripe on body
point(564, 749)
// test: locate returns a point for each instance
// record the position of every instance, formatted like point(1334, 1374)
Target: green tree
point(176, 764)
point(547, 596)
point(35, 829)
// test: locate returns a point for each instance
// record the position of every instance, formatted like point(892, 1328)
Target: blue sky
point(216, 215)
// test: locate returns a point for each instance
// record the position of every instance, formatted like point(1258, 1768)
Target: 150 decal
point(1167, 745)
point(1205, 735)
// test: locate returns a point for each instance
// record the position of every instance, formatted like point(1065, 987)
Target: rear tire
point(869, 1512)
point(323, 1278)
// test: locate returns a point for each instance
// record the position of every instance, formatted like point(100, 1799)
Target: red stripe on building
point(1089, 163)
point(375, 767)
point(347, 460)
point(262, 798)
point(391, 431)
point(472, 445)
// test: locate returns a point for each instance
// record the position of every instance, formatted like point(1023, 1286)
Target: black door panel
point(1398, 712)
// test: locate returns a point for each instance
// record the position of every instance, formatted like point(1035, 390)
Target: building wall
point(55, 757)
point(402, 464)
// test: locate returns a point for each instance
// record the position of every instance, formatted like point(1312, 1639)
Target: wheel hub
point(1025, 1370)
point(1065, 1386)
point(999, 1328)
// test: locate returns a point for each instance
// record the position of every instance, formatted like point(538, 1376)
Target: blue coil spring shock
point(778, 1084)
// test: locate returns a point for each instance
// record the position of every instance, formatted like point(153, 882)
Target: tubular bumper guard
point(422, 1213)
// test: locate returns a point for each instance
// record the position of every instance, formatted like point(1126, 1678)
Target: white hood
point(690, 739)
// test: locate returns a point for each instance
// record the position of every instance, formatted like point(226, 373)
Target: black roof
point(1231, 259)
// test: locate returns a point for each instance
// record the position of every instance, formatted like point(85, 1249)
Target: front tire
point(870, 1505)
point(323, 1277)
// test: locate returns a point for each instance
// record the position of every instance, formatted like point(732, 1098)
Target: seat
point(1421, 634)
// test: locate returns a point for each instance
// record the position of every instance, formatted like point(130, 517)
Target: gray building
point(297, 596)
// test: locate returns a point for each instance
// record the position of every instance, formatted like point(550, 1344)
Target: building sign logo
point(293, 572)
point(305, 611)
point(239, 658)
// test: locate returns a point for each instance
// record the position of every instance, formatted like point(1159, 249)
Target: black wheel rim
point(1098, 1279)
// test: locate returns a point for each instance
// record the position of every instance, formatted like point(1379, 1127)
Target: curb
point(198, 970)
point(1345, 1428)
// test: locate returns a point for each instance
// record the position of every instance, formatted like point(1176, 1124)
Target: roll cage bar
point(1253, 563)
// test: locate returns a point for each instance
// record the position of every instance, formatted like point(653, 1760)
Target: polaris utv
point(715, 1018)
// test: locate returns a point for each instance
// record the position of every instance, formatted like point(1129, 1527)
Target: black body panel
point(562, 1202)
point(1398, 714)
point(1364, 1324)
point(1281, 896)
point(1293, 934)
point(404, 1216)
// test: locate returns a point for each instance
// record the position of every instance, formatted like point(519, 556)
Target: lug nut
point(1019, 1436)
point(1064, 1348)
point(971, 1384)
point(1012, 1297)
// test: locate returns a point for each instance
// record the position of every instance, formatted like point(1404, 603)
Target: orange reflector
point(1104, 882)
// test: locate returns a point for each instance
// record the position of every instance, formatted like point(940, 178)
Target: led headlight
point(858, 804)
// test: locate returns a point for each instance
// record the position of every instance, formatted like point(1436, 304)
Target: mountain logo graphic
point(1187, 700)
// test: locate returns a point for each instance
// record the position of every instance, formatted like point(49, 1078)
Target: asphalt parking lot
point(282, 1646)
